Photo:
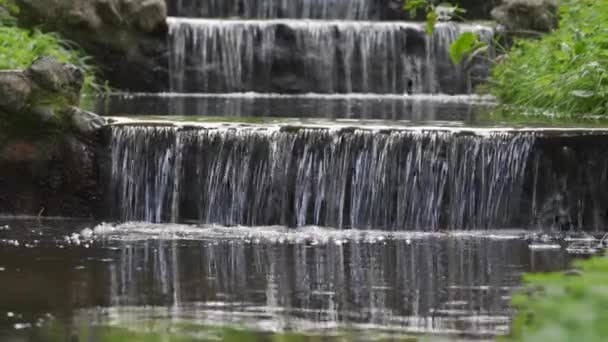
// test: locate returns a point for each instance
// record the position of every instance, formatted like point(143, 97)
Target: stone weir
point(307, 56)
point(408, 178)
point(314, 9)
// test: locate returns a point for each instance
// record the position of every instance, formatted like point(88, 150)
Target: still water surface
point(270, 279)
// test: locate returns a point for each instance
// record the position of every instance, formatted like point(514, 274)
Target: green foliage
point(559, 307)
point(20, 47)
point(466, 45)
point(433, 13)
point(8, 10)
point(565, 71)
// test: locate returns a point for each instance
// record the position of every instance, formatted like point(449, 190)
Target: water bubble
point(20, 326)
point(87, 233)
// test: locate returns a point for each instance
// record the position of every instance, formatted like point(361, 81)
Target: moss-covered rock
point(527, 15)
point(44, 98)
point(47, 145)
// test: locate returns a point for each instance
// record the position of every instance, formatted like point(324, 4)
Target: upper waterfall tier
point(302, 56)
point(311, 9)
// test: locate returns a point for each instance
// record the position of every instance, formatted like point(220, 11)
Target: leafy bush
point(560, 307)
point(20, 47)
point(566, 71)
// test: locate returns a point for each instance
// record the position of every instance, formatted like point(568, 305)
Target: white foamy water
point(134, 231)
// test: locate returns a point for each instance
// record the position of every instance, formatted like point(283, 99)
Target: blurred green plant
point(563, 306)
point(466, 46)
point(566, 71)
point(433, 12)
point(20, 47)
point(8, 11)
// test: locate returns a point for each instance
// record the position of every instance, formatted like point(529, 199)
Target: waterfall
point(268, 9)
point(302, 56)
point(397, 180)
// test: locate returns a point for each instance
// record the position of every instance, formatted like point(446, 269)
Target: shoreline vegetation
point(565, 71)
point(19, 47)
point(563, 306)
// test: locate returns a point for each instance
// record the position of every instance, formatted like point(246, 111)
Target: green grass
point(20, 47)
point(558, 307)
point(566, 71)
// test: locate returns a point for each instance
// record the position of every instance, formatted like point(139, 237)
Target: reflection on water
point(417, 108)
point(276, 280)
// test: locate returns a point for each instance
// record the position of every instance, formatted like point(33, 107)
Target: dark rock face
point(50, 179)
point(48, 163)
point(519, 16)
point(127, 37)
point(568, 182)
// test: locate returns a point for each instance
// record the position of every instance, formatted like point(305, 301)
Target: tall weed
point(566, 71)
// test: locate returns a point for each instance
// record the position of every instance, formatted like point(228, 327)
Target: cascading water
point(315, 56)
point(268, 9)
point(398, 180)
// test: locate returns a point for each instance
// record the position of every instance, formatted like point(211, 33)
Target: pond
point(187, 281)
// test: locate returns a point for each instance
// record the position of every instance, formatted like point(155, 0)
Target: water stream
point(299, 56)
point(354, 178)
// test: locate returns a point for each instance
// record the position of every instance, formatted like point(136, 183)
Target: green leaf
point(464, 45)
point(431, 21)
point(414, 4)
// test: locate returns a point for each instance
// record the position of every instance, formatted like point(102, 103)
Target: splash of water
point(395, 180)
point(315, 56)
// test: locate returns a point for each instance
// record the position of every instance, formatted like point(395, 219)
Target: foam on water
point(136, 231)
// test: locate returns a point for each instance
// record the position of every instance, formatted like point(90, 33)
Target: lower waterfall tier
point(357, 178)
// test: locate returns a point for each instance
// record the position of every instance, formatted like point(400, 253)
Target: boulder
point(125, 36)
point(524, 16)
point(46, 91)
point(15, 91)
point(48, 160)
point(84, 122)
point(57, 79)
